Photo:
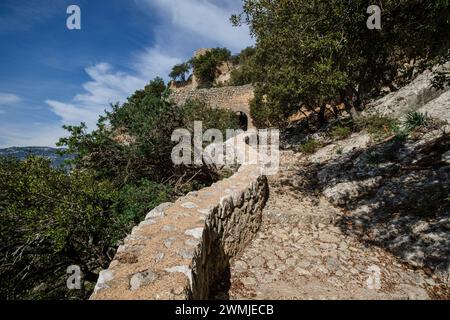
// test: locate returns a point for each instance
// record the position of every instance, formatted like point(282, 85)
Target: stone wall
point(236, 99)
point(182, 250)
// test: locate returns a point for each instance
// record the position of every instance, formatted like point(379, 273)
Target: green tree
point(244, 73)
point(205, 66)
point(310, 53)
point(51, 220)
point(179, 71)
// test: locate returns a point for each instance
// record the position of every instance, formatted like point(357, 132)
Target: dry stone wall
point(182, 250)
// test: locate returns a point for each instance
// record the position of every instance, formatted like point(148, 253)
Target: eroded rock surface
point(305, 250)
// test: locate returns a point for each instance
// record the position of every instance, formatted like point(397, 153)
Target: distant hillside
point(46, 152)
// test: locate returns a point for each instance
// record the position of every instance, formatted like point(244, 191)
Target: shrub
point(134, 202)
point(266, 115)
point(379, 127)
point(310, 146)
point(245, 72)
point(415, 120)
point(340, 132)
point(51, 220)
point(241, 76)
point(121, 170)
point(179, 71)
point(205, 66)
point(136, 143)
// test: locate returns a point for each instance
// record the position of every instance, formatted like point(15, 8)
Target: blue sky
point(52, 76)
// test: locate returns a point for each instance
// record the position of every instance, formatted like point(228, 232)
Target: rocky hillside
point(352, 199)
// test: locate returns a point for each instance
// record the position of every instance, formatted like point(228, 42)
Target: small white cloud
point(71, 114)
point(109, 86)
point(207, 20)
point(153, 63)
point(8, 98)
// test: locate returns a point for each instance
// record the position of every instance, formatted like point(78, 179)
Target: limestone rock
point(159, 211)
point(142, 279)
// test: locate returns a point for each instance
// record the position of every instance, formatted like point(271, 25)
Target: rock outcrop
point(419, 95)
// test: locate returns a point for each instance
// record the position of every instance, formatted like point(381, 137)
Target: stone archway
point(243, 120)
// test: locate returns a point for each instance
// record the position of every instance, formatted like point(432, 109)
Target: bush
point(265, 115)
point(134, 202)
point(415, 120)
point(51, 220)
point(205, 66)
point(340, 132)
point(244, 74)
point(310, 147)
point(137, 144)
point(121, 170)
point(379, 127)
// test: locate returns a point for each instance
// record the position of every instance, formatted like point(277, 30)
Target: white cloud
point(153, 62)
point(205, 19)
point(109, 86)
point(8, 98)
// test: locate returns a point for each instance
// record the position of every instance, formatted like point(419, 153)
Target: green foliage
point(205, 66)
point(379, 127)
point(51, 220)
point(310, 146)
point(265, 115)
point(134, 139)
point(415, 120)
point(122, 169)
point(340, 132)
point(244, 73)
point(134, 202)
point(179, 71)
point(312, 53)
point(156, 88)
point(246, 54)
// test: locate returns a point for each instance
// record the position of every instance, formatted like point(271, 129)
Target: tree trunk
point(322, 114)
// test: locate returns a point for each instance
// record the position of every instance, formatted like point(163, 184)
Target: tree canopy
point(179, 71)
point(312, 53)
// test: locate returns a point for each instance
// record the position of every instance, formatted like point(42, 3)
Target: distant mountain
point(45, 152)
